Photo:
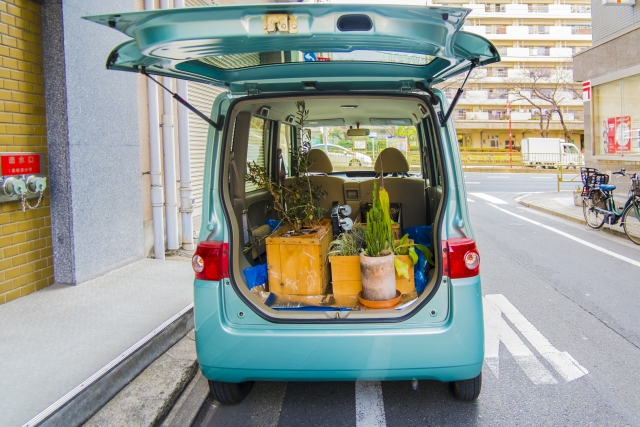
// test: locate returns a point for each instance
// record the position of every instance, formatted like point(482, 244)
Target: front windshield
point(360, 152)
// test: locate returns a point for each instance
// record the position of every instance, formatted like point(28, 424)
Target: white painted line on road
point(469, 200)
point(562, 362)
point(489, 198)
point(369, 404)
point(575, 239)
point(496, 330)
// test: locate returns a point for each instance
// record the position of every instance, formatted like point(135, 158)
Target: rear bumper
point(232, 352)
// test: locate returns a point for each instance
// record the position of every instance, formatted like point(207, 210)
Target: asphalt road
point(563, 328)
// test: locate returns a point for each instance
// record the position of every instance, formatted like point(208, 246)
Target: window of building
point(494, 141)
point(617, 117)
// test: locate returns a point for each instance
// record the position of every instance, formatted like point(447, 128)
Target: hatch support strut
point(443, 120)
point(217, 126)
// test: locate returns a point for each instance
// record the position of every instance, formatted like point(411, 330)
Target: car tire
point(229, 393)
point(466, 390)
point(355, 162)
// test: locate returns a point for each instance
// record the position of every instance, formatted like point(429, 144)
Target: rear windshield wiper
point(217, 126)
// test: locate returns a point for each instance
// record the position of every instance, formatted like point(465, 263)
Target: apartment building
point(536, 40)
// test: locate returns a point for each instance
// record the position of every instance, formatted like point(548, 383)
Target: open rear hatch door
point(269, 48)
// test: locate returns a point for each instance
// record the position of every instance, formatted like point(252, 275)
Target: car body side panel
point(451, 350)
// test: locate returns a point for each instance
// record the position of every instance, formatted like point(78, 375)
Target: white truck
point(550, 153)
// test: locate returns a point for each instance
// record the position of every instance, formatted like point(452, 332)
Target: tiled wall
point(26, 263)
point(609, 21)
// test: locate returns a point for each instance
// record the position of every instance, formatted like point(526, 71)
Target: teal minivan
point(367, 76)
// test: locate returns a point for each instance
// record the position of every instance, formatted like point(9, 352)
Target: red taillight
point(460, 258)
point(211, 260)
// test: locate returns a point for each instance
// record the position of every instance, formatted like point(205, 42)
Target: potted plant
point(377, 260)
point(297, 251)
point(297, 203)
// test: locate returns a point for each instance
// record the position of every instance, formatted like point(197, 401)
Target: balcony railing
point(580, 30)
point(539, 30)
point(495, 8)
point(496, 29)
point(580, 8)
point(539, 51)
point(538, 8)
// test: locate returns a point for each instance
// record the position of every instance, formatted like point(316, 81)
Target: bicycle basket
point(635, 187)
point(585, 173)
point(597, 179)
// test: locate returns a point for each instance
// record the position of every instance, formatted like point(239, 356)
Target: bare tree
point(546, 90)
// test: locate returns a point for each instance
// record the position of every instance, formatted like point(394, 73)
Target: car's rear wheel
point(230, 393)
point(466, 390)
point(355, 162)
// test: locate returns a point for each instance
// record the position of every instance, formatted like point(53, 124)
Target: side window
point(435, 168)
point(258, 134)
point(285, 145)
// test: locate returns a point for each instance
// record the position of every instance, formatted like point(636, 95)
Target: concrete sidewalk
point(561, 204)
point(53, 340)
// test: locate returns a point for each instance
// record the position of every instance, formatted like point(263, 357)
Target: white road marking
point(469, 200)
point(496, 330)
point(562, 362)
point(489, 198)
point(569, 236)
point(369, 404)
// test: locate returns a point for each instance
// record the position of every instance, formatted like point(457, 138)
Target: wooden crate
point(298, 265)
point(346, 278)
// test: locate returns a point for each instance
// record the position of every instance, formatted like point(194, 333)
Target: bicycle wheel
point(631, 222)
point(594, 218)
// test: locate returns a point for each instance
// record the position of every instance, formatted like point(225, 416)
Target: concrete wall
point(26, 262)
point(609, 21)
point(94, 143)
point(613, 55)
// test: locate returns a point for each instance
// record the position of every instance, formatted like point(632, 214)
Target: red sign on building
point(20, 164)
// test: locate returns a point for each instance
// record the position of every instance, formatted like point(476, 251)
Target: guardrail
point(499, 158)
point(562, 172)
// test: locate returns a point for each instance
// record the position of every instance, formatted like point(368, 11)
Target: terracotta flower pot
point(378, 277)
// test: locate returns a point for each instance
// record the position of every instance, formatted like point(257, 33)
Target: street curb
point(153, 393)
point(85, 400)
point(189, 404)
point(605, 228)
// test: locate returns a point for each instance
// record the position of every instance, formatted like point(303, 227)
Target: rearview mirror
point(358, 132)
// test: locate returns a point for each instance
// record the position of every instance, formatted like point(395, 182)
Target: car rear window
point(247, 60)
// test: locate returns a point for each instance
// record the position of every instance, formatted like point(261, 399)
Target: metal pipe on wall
point(157, 198)
point(186, 193)
point(169, 151)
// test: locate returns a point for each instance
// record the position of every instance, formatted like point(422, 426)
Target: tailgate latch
point(279, 22)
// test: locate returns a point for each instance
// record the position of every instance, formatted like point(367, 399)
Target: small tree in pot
point(297, 203)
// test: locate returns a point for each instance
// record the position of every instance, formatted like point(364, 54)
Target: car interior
point(266, 128)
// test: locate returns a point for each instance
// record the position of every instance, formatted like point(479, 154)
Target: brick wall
point(26, 262)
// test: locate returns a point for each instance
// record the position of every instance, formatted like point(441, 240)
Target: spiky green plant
point(349, 243)
point(379, 234)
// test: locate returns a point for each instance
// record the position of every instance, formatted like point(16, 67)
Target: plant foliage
point(297, 203)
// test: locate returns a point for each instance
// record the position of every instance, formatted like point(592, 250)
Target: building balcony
point(537, 11)
point(525, 32)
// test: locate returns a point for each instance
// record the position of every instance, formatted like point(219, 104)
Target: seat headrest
point(391, 160)
point(320, 162)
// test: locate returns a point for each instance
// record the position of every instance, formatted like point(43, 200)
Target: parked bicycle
point(599, 207)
